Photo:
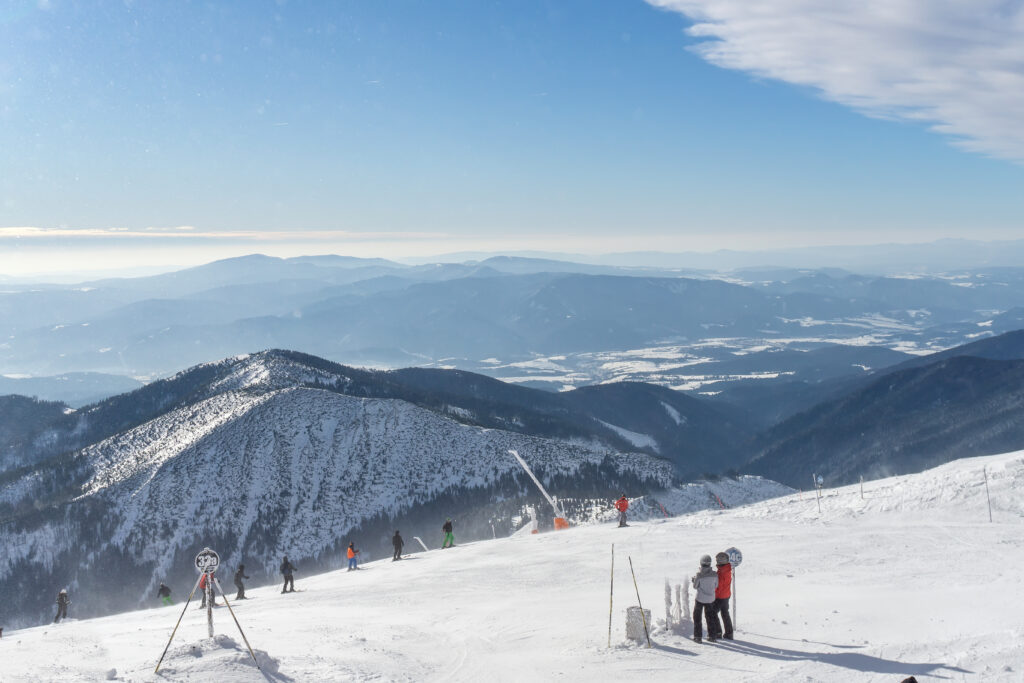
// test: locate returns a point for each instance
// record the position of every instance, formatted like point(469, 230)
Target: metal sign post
point(735, 557)
point(207, 562)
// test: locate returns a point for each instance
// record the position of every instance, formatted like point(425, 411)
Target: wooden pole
point(611, 597)
point(642, 615)
point(157, 670)
point(223, 595)
point(862, 487)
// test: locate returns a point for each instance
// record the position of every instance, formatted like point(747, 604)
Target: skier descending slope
point(351, 553)
point(399, 544)
point(164, 593)
point(622, 505)
point(449, 537)
point(287, 568)
point(62, 605)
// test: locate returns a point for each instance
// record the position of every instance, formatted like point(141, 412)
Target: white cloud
point(957, 65)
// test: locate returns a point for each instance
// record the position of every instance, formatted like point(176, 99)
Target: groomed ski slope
point(912, 580)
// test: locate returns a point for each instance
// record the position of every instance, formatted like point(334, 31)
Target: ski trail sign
point(207, 561)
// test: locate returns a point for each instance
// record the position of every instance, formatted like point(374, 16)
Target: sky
point(137, 133)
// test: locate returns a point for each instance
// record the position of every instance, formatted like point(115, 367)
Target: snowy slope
point(263, 471)
point(912, 579)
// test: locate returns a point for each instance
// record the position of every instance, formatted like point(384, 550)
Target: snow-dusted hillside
point(872, 589)
point(318, 462)
point(262, 464)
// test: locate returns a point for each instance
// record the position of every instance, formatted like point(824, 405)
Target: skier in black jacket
point(287, 568)
point(399, 544)
point(62, 605)
point(164, 593)
point(239, 575)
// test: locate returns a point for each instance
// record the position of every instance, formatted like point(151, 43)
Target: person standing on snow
point(287, 568)
point(206, 580)
point(239, 575)
point(164, 593)
point(351, 554)
point(449, 537)
point(622, 505)
point(722, 594)
point(705, 581)
point(399, 544)
point(62, 605)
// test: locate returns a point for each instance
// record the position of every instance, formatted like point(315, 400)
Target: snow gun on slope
point(560, 521)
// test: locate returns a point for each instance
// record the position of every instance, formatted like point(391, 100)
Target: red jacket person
point(622, 505)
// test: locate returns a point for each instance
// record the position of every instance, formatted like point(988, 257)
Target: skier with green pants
point(449, 537)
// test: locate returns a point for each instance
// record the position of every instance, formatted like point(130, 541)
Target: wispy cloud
point(957, 65)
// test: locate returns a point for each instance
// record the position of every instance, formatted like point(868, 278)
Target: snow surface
point(637, 439)
point(912, 579)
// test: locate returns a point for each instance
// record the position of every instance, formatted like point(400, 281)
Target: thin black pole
point(987, 497)
point(157, 670)
point(642, 615)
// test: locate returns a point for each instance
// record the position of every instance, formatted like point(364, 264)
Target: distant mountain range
point(877, 259)
point(73, 388)
point(495, 317)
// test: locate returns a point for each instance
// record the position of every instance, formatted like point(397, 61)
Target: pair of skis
point(611, 599)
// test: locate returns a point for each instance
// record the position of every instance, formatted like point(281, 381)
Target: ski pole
point(984, 471)
point(224, 595)
point(611, 597)
point(157, 670)
point(642, 615)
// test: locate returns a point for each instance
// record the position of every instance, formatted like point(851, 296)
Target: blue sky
point(403, 128)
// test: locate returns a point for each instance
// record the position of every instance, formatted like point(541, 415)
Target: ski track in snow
point(872, 589)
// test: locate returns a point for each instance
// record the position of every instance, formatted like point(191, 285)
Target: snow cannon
point(560, 521)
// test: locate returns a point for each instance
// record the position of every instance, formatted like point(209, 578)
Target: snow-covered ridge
point(269, 371)
point(269, 472)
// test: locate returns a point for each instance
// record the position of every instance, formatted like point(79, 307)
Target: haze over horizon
point(170, 135)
